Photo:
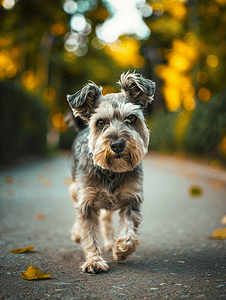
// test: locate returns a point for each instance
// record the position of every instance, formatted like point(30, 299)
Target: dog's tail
point(77, 122)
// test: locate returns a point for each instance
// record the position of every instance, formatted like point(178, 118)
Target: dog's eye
point(131, 119)
point(100, 123)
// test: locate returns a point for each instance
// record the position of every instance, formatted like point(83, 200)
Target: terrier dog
point(107, 167)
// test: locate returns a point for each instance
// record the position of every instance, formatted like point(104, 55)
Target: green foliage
point(207, 126)
point(167, 28)
point(162, 126)
point(67, 137)
point(22, 123)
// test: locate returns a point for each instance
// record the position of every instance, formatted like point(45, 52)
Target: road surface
point(175, 260)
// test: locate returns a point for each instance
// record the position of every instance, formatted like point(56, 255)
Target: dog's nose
point(118, 146)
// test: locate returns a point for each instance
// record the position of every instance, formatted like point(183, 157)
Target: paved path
point(174, 260)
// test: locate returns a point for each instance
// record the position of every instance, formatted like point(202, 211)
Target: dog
point(107, 167)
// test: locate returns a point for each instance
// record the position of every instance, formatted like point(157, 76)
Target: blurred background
point(51, 48)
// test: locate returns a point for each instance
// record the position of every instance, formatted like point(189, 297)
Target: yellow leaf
point(22, 250)
point(67, 181)
point(32, 274)
point(195, 191)
point(39, 217)
point(219, 234)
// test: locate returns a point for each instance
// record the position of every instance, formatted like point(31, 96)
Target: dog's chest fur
point(107, 189)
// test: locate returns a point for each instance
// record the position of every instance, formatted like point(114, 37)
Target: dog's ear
point(139, 89)
point(83, 102)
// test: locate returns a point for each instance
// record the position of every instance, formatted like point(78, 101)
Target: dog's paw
point(95, 265)
point(124, 247)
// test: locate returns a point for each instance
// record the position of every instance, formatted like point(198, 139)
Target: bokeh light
point(188, 90)
point(88, 28)
point(212, 60)
point(49, 95)
point(204, 94)
point(202, 77)
point(191, 39)
point(178, 10)
point(53, 137)
point(58, 28)
point(108, 90)
point(181, 124)
point(158, 9)
point(72, 41)
point(29, 80)
point(58, 122)
point(179, 62)
point(189, 103)
point(83, 6)
point(125, 19)
point(213, 9)
point(78, 22)
point(9, 62)
point(146, 10)
point(97, 44)
point(8, 4)
point(223, 146)
point(172, 98)
point(126, 53)
point(70, 7)
point(221, 2)
point(81, 50)
point(69, 57)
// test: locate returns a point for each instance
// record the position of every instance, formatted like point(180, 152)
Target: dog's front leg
point(89, 224)
point(106, 227)
point(128, 240)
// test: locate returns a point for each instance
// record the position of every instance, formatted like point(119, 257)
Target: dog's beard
point(132, 155)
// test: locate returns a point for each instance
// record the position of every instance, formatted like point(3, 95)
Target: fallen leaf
point(223, 220)
point(40, 178)
point(47, 182)
point(22, 250)
point(196, 191)
point(67, 181)
point(32, 274)
point(219, 234)
point(10, 192)
point(39, 216)
point(8, 179)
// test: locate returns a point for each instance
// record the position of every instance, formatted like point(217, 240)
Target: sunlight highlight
point(126, 19)
point(126, 53)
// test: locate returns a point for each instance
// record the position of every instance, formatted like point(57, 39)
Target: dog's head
point(119, 137)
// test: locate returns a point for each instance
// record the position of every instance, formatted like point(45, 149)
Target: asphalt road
point(176, 259)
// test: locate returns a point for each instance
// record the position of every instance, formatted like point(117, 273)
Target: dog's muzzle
point(118, 146)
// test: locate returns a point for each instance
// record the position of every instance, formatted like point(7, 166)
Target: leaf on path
point(67, 181)
point(22, 250)
point(40, 217)
point(47, 182)
point(10, 192)
point(8, 179)
point(223, 220)
point(195, 191)
point(34, 274)
point(219, 234)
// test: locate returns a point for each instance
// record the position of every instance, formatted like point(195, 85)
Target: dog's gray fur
point(107, 167)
